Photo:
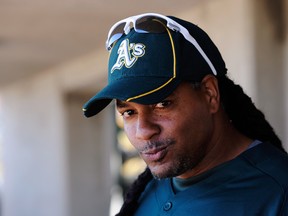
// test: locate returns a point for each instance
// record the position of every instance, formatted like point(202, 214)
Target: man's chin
point(164, 172)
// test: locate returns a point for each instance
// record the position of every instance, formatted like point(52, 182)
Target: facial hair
point(181, 162)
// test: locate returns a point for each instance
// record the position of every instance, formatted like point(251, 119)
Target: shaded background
point(52, 59)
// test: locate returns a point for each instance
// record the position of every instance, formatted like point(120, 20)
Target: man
point(208, 149)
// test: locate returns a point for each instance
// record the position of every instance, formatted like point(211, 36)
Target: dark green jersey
point(253, 184)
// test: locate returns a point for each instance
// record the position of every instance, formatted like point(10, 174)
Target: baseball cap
point(146, 66)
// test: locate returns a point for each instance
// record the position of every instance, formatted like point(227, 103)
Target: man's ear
point(211, 91)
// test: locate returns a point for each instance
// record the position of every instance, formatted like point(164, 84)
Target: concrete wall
point(269, 45)
point(34, 149)
point(57, 163)
point(90, 147)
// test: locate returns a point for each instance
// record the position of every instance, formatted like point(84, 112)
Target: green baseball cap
point(147, 67)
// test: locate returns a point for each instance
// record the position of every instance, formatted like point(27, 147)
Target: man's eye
point(163, 104)
point(127, 113)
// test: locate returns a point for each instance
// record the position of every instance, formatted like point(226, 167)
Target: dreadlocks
point(130, 202)
point(245, 117)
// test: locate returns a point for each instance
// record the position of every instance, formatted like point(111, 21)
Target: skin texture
point(184, 135)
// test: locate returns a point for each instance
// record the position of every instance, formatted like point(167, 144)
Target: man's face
point(172, 136)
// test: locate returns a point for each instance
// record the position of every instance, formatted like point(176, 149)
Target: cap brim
point(143, 90)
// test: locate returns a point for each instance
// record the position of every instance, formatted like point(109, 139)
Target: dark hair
point(131, 198)
point(245, 117)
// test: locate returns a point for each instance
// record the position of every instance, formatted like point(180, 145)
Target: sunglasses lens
point(150, 24)
point(117, 32)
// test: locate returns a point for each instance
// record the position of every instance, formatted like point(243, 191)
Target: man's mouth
point(154, 155)
point(155, 152)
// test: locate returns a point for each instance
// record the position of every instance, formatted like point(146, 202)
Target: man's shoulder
point(269, 160)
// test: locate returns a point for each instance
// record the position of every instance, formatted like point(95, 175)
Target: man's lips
point(154, 154)
point(155, 151)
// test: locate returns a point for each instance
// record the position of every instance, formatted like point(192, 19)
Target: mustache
point(150, 145)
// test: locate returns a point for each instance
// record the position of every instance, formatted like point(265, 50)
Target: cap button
point(167, 206)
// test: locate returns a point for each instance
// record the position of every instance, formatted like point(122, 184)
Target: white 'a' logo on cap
point(128, 54)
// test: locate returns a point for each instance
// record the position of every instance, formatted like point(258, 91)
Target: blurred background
point(55, 162)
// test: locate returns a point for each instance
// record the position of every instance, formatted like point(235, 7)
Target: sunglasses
point(152, 23)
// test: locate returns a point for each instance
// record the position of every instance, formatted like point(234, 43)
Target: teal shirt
point(253, 184)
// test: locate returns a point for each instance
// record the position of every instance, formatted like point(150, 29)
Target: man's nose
point(146, 127)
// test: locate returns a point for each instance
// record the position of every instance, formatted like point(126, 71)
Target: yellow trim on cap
point(174, 72)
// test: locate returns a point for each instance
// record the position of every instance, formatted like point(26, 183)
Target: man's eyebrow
point(121, 104)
